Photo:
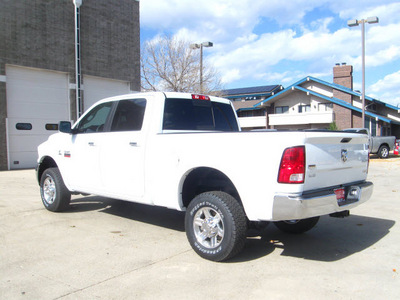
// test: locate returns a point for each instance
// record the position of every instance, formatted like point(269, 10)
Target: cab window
point(95, 120)
point(129, 115)
point(185, 114)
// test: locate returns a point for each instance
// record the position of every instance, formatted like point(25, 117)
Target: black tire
point(297, 226)
point(383, 151)
point(55, 195)
point(216, 226)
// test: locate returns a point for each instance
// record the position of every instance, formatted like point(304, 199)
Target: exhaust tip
point(340, 214)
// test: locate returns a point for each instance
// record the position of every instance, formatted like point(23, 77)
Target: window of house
point(370, 123)
point(385, 131)
point(251, 113)
point(282, 109)
point(129, 115)
point(304, 108)
point(371, 107)
point(325, 106)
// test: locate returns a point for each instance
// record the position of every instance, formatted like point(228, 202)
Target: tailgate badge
point(344, 155)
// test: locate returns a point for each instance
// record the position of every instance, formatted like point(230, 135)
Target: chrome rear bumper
point(316, 203)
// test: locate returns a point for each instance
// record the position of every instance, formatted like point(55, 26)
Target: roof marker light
point(200, 97)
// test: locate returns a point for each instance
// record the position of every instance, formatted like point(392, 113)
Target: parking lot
point(107, 249)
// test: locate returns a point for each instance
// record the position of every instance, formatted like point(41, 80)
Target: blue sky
point(265, 42)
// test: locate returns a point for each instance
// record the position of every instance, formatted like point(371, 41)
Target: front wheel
point(297, 226)
point(383, 151)
point(54, 193)
point(215, 226)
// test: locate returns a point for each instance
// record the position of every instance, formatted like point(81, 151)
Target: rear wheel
point(297, 226)
point(383, 151)
point(216, 226)
point(54, 193)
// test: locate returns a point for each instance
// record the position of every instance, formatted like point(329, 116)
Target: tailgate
point(335, 158)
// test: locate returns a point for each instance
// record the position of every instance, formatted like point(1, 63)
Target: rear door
point(122, 152)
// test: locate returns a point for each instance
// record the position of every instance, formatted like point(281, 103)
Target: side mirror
point(64, 126)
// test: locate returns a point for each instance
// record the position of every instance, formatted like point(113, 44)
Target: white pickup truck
point(186, 152)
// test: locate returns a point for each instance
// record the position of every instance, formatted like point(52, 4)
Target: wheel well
point(386, 145)
point(204, 179)
point(46, 162)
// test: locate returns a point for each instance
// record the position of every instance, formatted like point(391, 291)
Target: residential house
point(312, 103)
point(244, 101)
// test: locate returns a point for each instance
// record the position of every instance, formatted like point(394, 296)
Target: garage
point(97, 88)
point(37, 100)
point(46, 44)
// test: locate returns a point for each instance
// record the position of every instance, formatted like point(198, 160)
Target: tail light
point(292, 167)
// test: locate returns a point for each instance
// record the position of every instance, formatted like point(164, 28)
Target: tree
point(333, 127)
point(169, 64)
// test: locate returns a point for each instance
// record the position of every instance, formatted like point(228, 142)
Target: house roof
point(297, 86)
point(253, 91)
point(245, 105)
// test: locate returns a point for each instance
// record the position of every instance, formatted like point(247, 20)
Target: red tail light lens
point(292, 168)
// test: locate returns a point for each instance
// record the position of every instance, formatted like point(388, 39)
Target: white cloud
point(388, 88)
point(289, 49)
point(230, 75)
point(387, 12)
point(259, 55)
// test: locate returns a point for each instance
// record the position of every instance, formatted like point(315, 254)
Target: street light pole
point(201, 68)
point(200, 46)
point(352, 23)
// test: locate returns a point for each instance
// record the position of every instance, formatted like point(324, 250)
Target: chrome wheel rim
point(49, 190)
point(208, 227)
point(385, 152)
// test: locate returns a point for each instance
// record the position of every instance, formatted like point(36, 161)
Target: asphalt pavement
point(108, 249)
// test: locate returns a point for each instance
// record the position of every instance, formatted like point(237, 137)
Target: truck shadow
point(331, 239)
point(153, 215)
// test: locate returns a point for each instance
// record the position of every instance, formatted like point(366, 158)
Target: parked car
point(186, 152)
point(380, 145)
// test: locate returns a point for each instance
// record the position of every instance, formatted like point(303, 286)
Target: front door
point(86, 143)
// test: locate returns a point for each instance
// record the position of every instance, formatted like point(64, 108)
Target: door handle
point(91, 143)
point(133, 144)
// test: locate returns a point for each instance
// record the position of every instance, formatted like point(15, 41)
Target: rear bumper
point(316, 203)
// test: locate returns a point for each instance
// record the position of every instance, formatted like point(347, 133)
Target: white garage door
point(36, 101)
point(97, 88)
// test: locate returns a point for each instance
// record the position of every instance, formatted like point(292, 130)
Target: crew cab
point(187, 152)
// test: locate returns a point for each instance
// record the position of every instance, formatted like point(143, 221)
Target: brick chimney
point(343, 75)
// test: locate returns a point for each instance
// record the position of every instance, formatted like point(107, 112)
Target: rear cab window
point(129, 115)
point(198, 115)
